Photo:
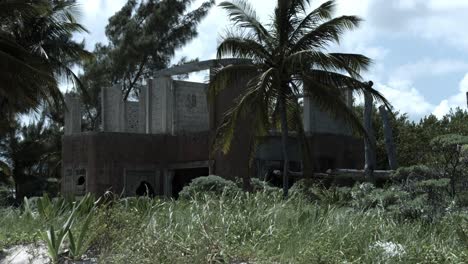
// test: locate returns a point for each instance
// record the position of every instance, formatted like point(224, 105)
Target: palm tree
point(288, 59)
point(36, 48)
point(33, 154)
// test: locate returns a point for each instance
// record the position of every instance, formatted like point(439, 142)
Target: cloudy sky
point(419, 47)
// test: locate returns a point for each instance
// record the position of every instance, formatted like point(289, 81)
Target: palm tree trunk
point(369, 141)
point(284, 141)
point(388, 135)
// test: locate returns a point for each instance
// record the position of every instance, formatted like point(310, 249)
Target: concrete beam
point(190, 165)
point(198, 66)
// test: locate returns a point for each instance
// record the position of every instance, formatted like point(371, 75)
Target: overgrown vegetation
point(360, 225)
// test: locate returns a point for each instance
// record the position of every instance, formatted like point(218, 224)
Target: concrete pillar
point(160, 105)
point(307, 115)
point(144, 107)
point(113, 110)
point(165, 84)
point(168, 176)
point(72, 114)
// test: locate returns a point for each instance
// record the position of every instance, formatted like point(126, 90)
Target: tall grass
point(259, 228)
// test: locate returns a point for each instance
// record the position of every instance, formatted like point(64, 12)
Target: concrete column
point(144, 108)
point(113, 112)
point(161, 105)
point(307, 115)
point(168, 177)
point(166, 104)
point(72, 114)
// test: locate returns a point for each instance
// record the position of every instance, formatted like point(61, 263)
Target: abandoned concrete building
point(163, 141)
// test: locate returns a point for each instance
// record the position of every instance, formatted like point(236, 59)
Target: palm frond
point(243, 47)
point(312, 20)
point(328, 99)
point(244, 16)
point(250, 104)
point(221, 76)
point(305, 60)
point(326, 33)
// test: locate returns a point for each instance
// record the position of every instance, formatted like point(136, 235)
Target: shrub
point(208, 184)
point(263, 186)
point(449, 157)
point(6, 196)
point(414, 173)
point(306, 188)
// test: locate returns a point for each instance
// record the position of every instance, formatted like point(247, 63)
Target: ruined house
point(163, 141)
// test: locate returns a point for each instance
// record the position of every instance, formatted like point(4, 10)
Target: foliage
point(5, 174)
point(412, 137)
point(208, 184)
point(307, 188)
point(143, 37)
point(262, 186)
point(6, 196)
point(248, 227)
point(33, 152)
point(36, 49)
point(77, 244)
point(54, 239)
point(448, 157)
point(287, 58)
point(414, 173)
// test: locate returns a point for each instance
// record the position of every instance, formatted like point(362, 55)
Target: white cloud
point(437, 21)
point(429, 67)
point(454, 101)
point(405, 98)
point(95, 15)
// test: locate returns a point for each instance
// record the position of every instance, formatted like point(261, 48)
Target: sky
point(419, 47)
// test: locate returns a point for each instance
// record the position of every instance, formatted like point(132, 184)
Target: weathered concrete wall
point(340, 151)
point(191, 107)
point(236, 162)
point(132, 122)
point(318, 121)
point(106, 157)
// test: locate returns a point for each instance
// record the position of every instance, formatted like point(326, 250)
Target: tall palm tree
point(36, 49)
point(288, 59)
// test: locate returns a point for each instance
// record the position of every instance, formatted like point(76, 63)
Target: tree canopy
point(289, 58)
point(36, 52)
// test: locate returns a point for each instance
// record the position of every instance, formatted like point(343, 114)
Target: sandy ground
point(25, 254)
point(33, 254)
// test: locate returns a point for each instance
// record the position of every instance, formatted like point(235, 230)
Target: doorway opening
point(183, 177)
point(145, 189)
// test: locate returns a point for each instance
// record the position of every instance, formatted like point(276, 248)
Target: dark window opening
point(183, 177)
point(81, 181)
point(145, 189)
point(325, 163)
point(275, 173)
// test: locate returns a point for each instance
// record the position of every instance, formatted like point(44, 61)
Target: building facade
point(159, 143)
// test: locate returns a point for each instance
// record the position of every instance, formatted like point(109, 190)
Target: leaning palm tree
point(287, 59)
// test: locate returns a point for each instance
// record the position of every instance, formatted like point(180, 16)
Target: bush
point(306, 188)
point(263, 186)
point(209, 184)
point(365, 196)
point(449, 157)
point(6, 196)
point(414, 173)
